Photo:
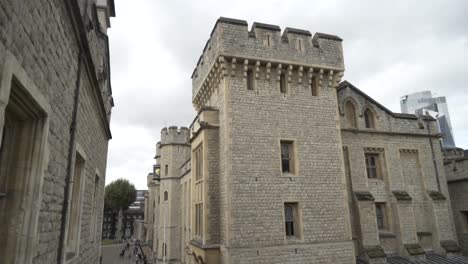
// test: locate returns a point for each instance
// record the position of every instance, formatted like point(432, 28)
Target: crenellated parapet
point(232, 49)
point(174, 135)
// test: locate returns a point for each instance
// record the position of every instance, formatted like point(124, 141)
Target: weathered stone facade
point(288, 165)
point(456, 168)
point(55, 105)
point(411, 188)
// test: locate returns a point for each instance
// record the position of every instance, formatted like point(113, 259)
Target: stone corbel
point(278, 71)
point(450, 246)
point(320, 80)
point(330, 78)
point(436, 195)
point(268, 68)
point(311, 73)
point(375, 251)
point(402, 195)
point(233, 66)
point(290, 68)
point(364, 196)
point(223, 66)
point(246, 67)
point(414, 249)
point(299, 74)
point(337, 78)
point(257, 70)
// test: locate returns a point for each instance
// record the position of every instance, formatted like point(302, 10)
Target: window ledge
point(386, 234)
point(293, 239)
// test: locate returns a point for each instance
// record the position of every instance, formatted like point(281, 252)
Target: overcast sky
point(391, 48)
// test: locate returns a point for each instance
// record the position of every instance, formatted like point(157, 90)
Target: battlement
point(158, 150)
point(263, 43)
point(174, 135)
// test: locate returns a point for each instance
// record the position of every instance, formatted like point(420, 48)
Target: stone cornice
point(228, 65)
point(391, 133)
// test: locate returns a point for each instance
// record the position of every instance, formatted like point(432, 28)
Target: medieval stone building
point(55, 108)
point(456, 168)
point(285, 164)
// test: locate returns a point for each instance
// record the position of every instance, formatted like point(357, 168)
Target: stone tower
point(173, 151)
point(271, 186)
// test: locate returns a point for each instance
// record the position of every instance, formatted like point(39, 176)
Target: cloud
point(391, 48)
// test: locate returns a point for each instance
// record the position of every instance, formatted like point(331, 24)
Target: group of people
point(132, 251)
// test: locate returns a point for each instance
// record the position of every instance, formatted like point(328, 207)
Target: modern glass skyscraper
point(423, 103)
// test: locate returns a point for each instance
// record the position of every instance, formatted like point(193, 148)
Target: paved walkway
point(110, 255)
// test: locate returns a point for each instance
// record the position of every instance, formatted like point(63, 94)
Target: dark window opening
point(283, 83)
point(314, 87)
point(287, 157)
point(372, 165)
point(250, 80)
point(380, 215)
point(369, 119)
point(291, 220)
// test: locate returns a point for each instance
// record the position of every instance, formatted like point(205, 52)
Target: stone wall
point(408, 178)
point(40, 36)
point(457, 176)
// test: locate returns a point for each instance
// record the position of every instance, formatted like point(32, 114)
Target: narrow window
point(164, 249)
point(287, 157)
point(250, 80)
point(300, 44)
point(380, 215)
point(199, 163)
point(314, 87)
point(291, 219)
point(465, 220)
point(166, 196)
point(369, 119)
point(95, 208)
point(350, 114)
point(372, 165)
point(199, 220)
point(268, 41)
point(283, 83)
point(166, 169)
point(75, 209)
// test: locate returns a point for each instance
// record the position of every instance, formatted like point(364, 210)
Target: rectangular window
point(373, 165)
point(74, 218)
point(380, 215)
point(199, 220)
point(465, 220)
point(95, 208)
point(250, 80)
point(198, 191)
point(166, 169)
point(291, 220)
point(283, 88)
point(287, 157)
point(314, 87)
point(199, 163)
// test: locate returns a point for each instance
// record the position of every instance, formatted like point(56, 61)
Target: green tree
point(119, 195)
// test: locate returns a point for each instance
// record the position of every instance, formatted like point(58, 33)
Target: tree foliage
point(119, 195)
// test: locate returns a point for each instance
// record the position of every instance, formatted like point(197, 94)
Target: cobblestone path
point(110, 255)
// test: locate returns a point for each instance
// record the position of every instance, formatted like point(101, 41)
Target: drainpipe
point(71, 155)
point(433, 153)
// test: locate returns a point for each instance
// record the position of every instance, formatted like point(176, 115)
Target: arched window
point(165, 196)
point(350, 114)
point(369, 118)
